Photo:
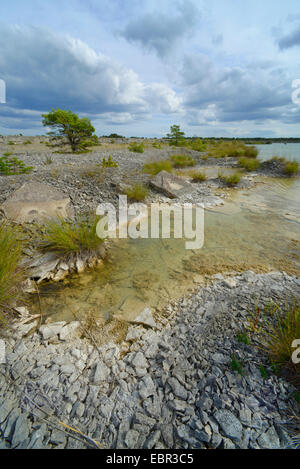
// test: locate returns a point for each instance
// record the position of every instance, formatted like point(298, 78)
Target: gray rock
point(147, 387)
point(21, 431)
point(145, 318)
point(101, 373)
point(139, 361)
point(269, 439)
point(230, 425)
point(177, 388)
point(172, 186)
point(5, 409)
point(35, 201)
point(131, 439)
point(51, 330)
point(69, 331)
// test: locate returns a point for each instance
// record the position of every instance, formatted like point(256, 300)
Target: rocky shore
point(176, 386)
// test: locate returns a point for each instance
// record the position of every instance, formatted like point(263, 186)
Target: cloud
point(234, 94)
point(43, 70)
point(290, 40)
point(159, 31)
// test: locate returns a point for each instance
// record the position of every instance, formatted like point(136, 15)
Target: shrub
point(197, 176)
point(278, 335)
point(232, 179)
point(136, 148)
point(158, 166)
point(27, 142)
point(137, 192)
point(109, 163)
point(291, 168)
point(11, 143)
point(10, 272)
point(251, 152)
point(9, 166)
point(72, 236)
point(197, 145)
point(182, 161)
point(157, 145)
point(234, 149)
point(249, 164)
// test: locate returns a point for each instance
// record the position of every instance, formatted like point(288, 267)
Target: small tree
point(67, 126)
point(176, 136)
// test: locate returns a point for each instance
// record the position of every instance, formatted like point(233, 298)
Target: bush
point(197, 176)
point(27, 142)
point(182, 161)
point(291, 168)
point(9, 166)
point(72, 236)
point(109, 163)
point(233, 149)
point(158, 166)
point(11, 274)
point(197, 145)
point(137, 192)
point(251, 152)
point(249, 164)
point(136, 148)
point(232, 179)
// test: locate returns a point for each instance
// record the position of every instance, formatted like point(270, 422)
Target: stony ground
point(80, 176)
point(175, 388)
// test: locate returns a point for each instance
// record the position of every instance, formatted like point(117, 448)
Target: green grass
point(232, 179)
point(243, 338)
point(11, 274)
point(236, 365)
point(27, 142)
point(232, 149)
point(157, 166)
point(291, 168)
point(197, 176)
point(109, 163)
point(182, 161)
point(136, 148)
point(279, 332)
point(72, 236)
point(249, 164)
point(137, 192)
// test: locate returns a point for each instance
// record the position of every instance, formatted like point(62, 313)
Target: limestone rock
point(170, 185)
point(35, 202)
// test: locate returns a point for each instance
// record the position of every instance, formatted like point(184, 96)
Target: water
point(290, 151)
point(257, 229)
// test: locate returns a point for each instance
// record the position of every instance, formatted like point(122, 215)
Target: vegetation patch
point(72, 236)
point(232, 179)
point(279, 332)
point(291, 168)
point(136, 148)
point(12, 165)
point(182, 161)
point(11, 274)
point(234, 149)
point(249, 164)
point(109, 163)
point(157, 166)
point(137, 192)
point(197, 176)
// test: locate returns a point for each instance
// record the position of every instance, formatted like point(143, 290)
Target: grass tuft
point(137, 192)
point(182, 161)
point(157, 166)
point(72, 236)
point(11, 274)
point(291, 168)
point(249, 164)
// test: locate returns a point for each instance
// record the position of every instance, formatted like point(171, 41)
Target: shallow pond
point(256, 229)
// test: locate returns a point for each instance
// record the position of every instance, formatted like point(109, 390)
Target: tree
point(67, 126)
point(176, 136)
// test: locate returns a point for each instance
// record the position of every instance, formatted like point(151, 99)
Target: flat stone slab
point(35, 201)
point(170, 185)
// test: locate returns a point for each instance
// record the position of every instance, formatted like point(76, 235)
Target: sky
point(136, 67)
